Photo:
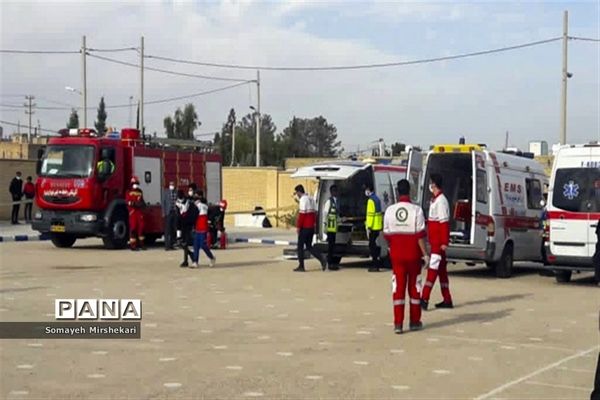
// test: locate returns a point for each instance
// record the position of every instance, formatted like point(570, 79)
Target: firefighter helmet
point(134, 179)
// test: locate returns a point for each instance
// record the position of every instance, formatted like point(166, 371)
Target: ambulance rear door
point(480, 202)
point(413, 175)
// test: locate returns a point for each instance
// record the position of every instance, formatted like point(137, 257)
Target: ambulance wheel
point(117, 232)
point(62, 240)
point(562, 276)
point(505, 264)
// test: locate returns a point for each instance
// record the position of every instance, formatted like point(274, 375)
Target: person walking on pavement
point(29, 192)
point(16, 193)
point(331, 211)
point(305, 227)
point(170, 214)
point(201, 232)
point(404, 230)
point(188, 213)
point(438, 227)
point(374, 225)
point(135, 205)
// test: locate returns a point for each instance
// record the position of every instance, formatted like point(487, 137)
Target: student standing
point(16, 193)
point(29, 192)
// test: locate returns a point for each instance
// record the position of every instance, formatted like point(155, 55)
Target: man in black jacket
point(16, 192)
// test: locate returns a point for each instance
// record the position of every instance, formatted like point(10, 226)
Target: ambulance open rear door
point(413, 175)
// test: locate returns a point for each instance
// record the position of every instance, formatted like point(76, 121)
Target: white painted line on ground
point(167, 359)
point(257, 295)
point(536, 339)
point(285, 353)
point(35, 344)
point(313, 377)
point(206, 331)
point(487, 323)
point(248, 322)
point(433, 339)
point(285, 289)
point(270, 306)
point(172, 385)
point(282, 316)
point(505, 386)
point(361, 362)
point(96, 376)
point(185, 307)
point(200, 317)
point(589, 390)
point(156, 340)
point(264, 337)
point(99, 352)
point(149, 313)
point(324, 343)
point(19, 392)
point(50, 315)
point(530, 309)
point(441, 371)
point(234, 311)
point(253, 394)
point(474, 358)
point(396, 351)
point(556, 330)
point(25, 366)
point(400, 387)
point(507, 345)
point(367, 313)
point(3, 309)
point(151, 325)
point(299, 299)
point(459, 331)
point(336, 320)
point(363, 332)
point(306, 328)
point(220, 347)
point(234, 367)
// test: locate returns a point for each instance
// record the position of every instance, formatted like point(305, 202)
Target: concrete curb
point(34, 238)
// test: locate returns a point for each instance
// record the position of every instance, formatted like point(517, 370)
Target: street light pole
point(258, 118)
point(232, 143)
point(142, 86)
point(130, 110)
point(84, 76)
point(565, 76)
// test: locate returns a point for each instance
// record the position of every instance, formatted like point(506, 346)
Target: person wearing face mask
point(135, 205)
point(374, 226)
point(201, 231)
point(305, 227)
point(438, 230)
point(169, 211)
point(188, 212)
point(16, 193)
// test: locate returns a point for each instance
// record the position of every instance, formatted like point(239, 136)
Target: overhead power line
point(357, 66)
point(22, 126)
point(216, 78)
point(586, 39)
point(12, 51)
point(113, 50)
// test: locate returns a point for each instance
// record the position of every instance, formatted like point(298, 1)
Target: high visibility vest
point(332, 217)
point(374, 220)
point(100, 165)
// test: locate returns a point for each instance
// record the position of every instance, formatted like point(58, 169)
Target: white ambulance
point(496, 204)
point(573, 209)
point(350, 177)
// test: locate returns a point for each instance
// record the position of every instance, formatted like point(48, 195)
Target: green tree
point(100, 123)
point(169, 126)
point(313, 137)
point(73, 122)
point(183, 123)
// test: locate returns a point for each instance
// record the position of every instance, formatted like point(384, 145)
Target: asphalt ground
point(252, 328)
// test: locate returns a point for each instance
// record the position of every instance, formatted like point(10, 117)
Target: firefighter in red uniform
point(404, 230)
point(438, 227)
point(135, 204)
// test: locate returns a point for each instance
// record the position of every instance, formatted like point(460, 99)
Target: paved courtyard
point(252, 328)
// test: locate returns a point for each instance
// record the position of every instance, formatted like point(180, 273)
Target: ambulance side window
point(383, 188)
point(534, 194)
point(482, 193)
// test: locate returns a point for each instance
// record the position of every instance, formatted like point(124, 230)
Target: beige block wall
point(8, 168)
point(248, 187)
point(17, 150)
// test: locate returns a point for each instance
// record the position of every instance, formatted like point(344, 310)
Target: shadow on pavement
point(242, 264)
point(76, 267)
point(495, 299)
point(473, 317)
point(486, 273)
point(26, 289)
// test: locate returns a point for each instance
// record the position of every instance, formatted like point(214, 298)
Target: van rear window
point(577, 189)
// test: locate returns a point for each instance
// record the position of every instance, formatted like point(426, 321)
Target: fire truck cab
point(83, 179)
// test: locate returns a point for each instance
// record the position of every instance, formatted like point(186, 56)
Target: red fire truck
point(78, 198)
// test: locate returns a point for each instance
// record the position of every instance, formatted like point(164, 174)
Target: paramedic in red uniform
point(135, 204)
point(438, 229)
point(305, 226)
point(404, 230)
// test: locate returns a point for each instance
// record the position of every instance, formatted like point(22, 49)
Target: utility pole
point(565, 76)
point(506, 141)
point(29, 112)
point(142, 86)
point(130, 110)
point(258, 118)
point(84, 86)
point(232, 143)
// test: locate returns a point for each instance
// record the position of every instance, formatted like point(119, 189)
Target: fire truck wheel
point(505, 264)
point(62, 240)
point(562, 276)
point(118, 232)
point(336, 260)
point(151, 239)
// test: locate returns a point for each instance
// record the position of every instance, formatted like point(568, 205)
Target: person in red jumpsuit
point(135, 204)
point(438, 229)
point(404, 230)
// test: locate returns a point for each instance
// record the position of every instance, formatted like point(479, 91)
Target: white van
point(350, 178)
point(496, 204)
point(573, 209)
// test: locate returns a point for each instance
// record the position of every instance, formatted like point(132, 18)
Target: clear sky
point(480, 97)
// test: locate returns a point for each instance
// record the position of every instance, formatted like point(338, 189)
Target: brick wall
point(7, 172)
point(248, 187)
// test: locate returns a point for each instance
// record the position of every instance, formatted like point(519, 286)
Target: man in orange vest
point(404, 230)
point(135, 204)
